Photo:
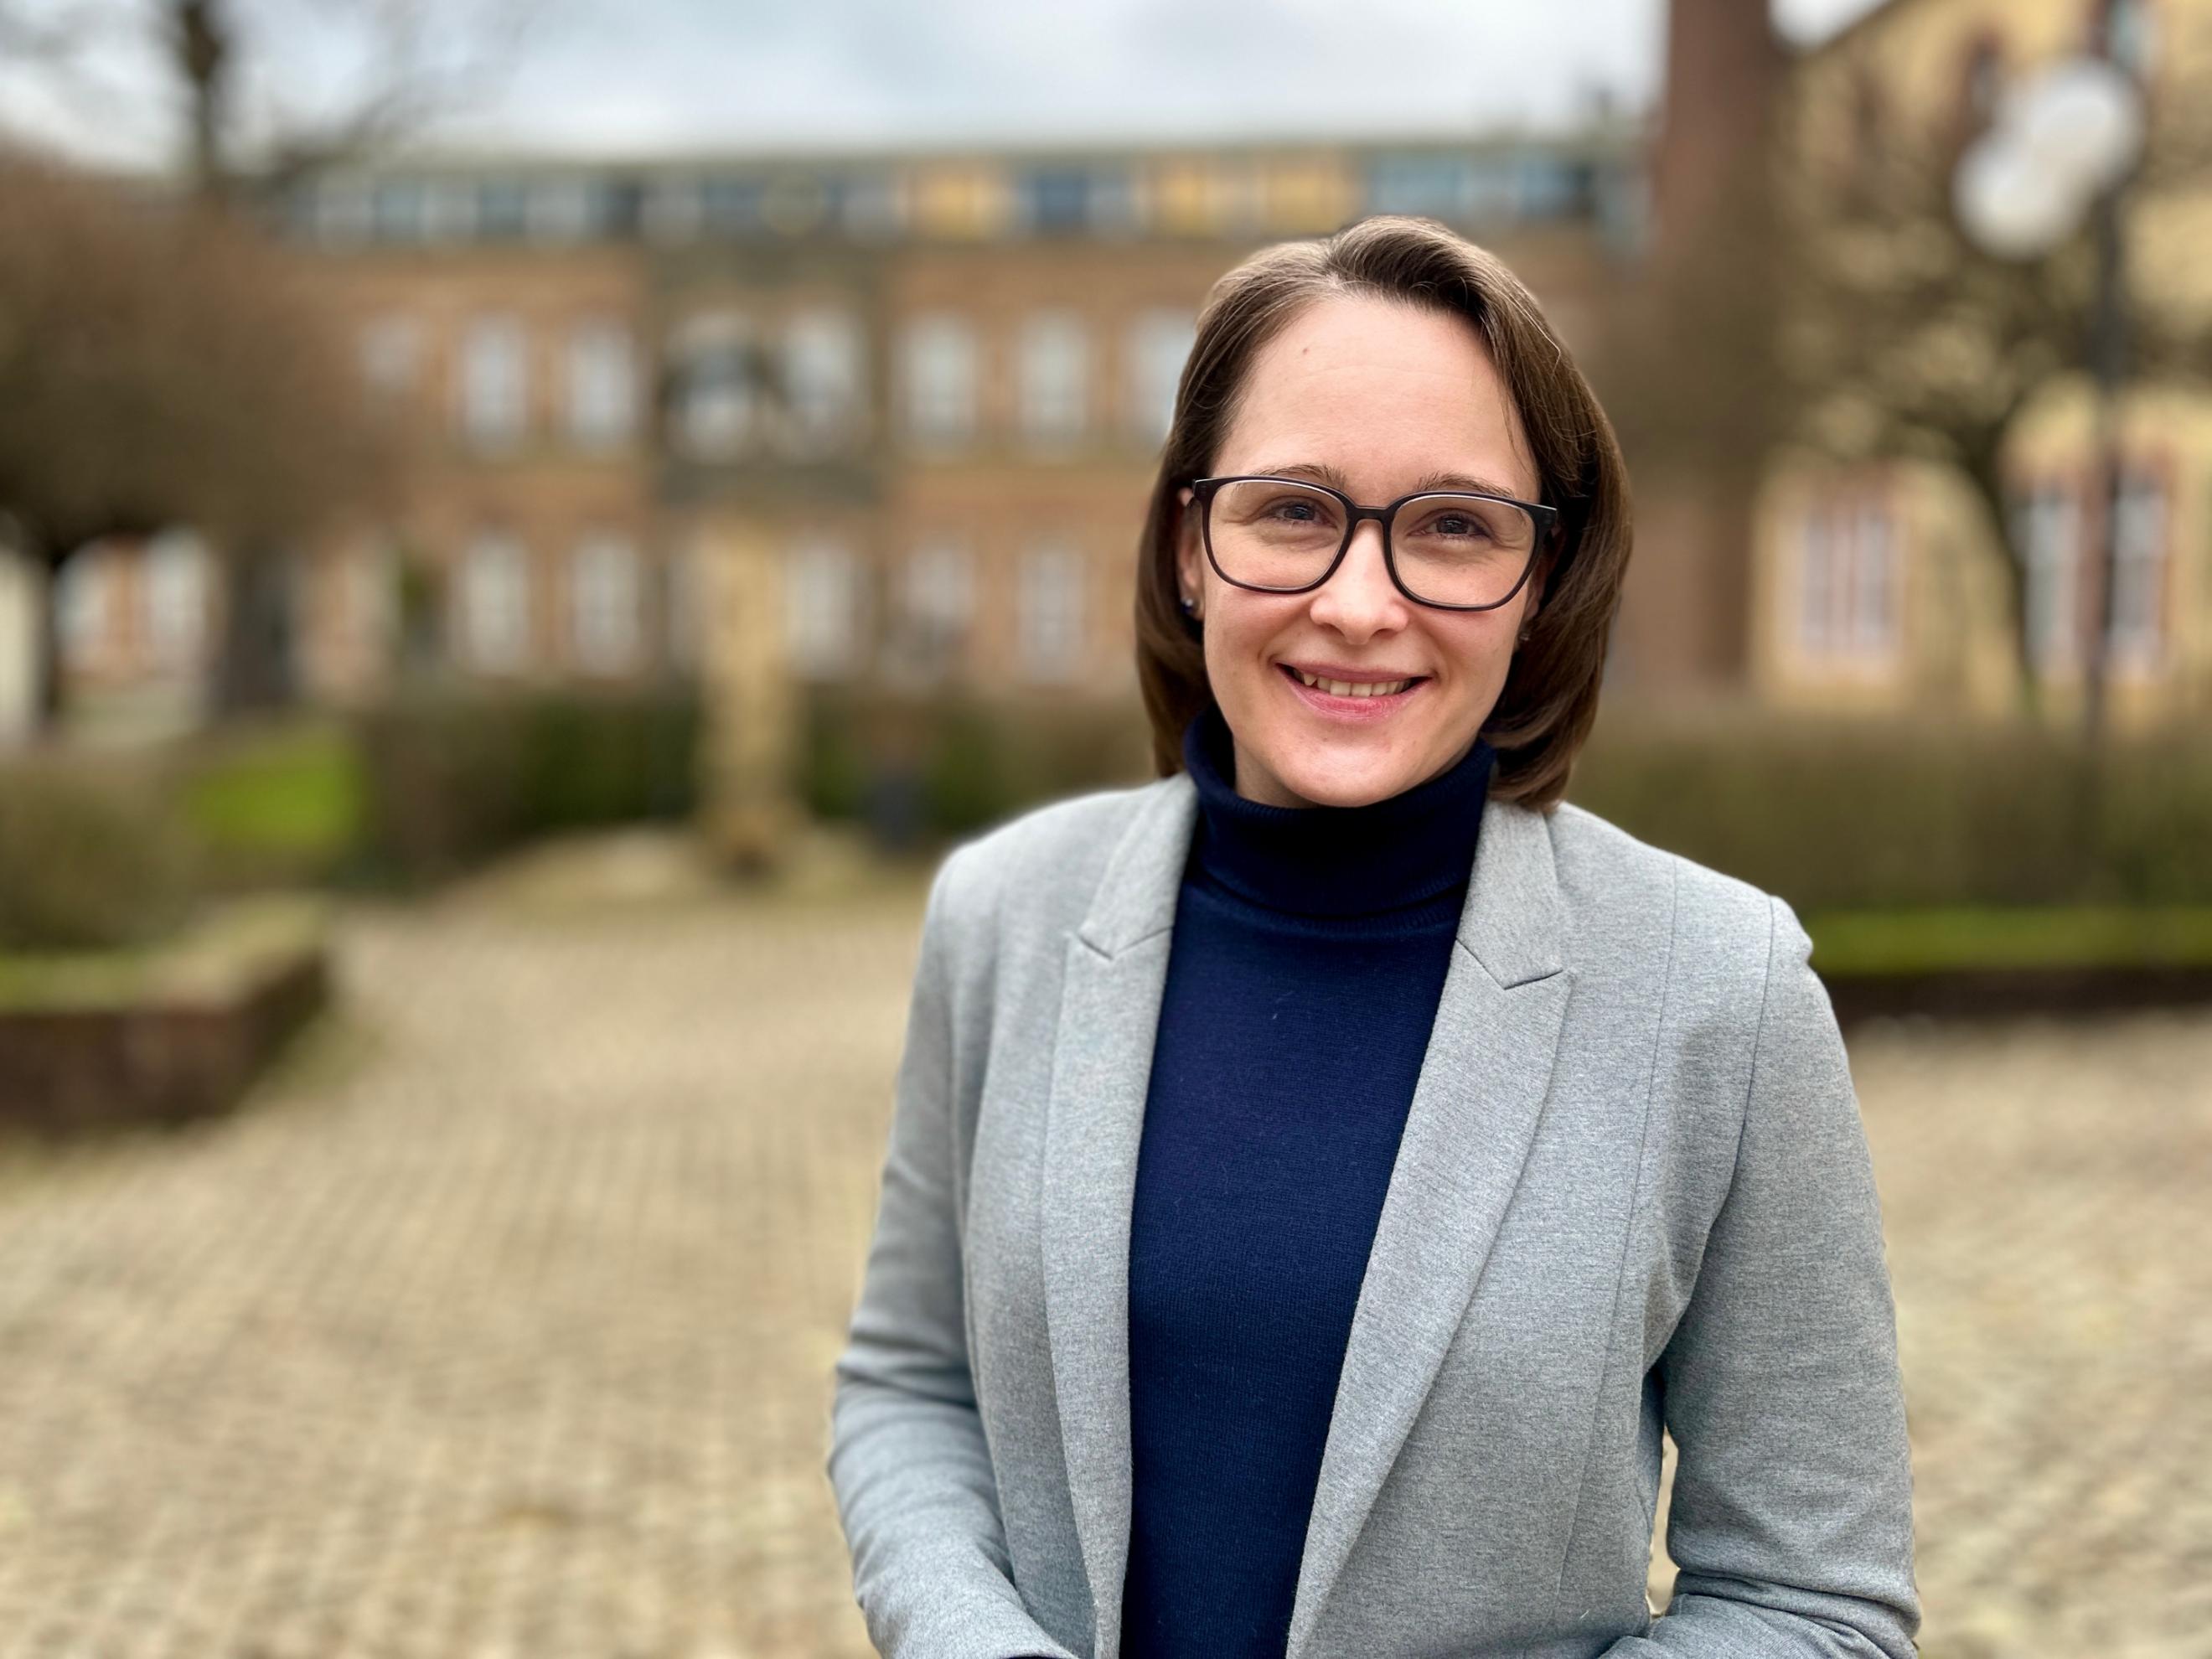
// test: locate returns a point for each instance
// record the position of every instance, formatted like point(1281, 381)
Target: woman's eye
point(1458, 525)
point(1300, 511)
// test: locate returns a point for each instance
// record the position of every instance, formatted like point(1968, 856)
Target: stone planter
point(174, 1032)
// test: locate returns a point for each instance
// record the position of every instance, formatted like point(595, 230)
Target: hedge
point(934, 769)
point(1833, 815)
point(1837, 815)
point(450, 780)
point(94, 853)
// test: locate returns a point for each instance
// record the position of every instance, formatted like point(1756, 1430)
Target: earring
point(1189, 607)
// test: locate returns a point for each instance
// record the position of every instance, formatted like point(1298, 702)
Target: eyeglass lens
point(1448, 549)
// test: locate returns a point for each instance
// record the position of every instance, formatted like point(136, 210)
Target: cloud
point(652, 76)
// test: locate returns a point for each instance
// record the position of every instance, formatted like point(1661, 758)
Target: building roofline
point(427, 158)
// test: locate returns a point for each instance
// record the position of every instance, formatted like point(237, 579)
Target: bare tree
point(254, 123)
point(420, 62)
point(1892, 334)
point(254, 119)
point(160, 367)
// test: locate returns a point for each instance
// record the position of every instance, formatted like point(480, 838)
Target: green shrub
point(599, 759)
point(959, 762)
point(93, 853)
point(1835, 815)
point(276, 805)
point(452, 777)
point(833, 770)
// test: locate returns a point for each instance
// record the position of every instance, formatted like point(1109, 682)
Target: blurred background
point(526, 525)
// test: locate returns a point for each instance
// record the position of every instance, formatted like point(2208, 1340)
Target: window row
point(1850, 573)
point(497, 593)
point(1057, 373)
point(917, 625)
point(158, 608)
point(1203, 195)
point(597, 370)
point(2056, 528)
point(1847, 578)
point(595, 607)
point(799, 388)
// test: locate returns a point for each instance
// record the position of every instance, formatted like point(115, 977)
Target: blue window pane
point(1426, 186)
point(1552, 186)
point(398, 210)
point(1059, 199)
point(621, 207)
point(1493, 190)
point(869, 204)
point(1114, 205)
point(732, 206)
point(592, 199)
point(502, 209)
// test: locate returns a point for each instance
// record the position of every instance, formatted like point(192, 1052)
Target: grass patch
point(216, 958)
point(295, 794)
point(1875, 943)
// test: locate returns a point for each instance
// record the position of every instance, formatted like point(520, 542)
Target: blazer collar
point(1469, 1130)
point(1136, 895)
point(1510, 921)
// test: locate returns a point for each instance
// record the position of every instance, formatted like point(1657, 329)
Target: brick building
point(930, 389)
point(1880, 586)
point(878, 420)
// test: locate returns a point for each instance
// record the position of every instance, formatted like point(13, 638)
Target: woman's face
point(1378, 400)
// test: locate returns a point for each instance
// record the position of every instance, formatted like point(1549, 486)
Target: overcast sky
point(652, 76)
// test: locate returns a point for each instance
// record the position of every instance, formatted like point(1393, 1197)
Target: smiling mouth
point(1352, 688)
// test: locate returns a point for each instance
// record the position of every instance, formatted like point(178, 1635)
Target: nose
point(1359, 600)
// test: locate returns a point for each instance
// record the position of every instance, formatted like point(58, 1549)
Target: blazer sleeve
point(1791, 1520)
point(907, 1459)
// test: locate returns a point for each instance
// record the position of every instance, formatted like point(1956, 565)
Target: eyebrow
point(1335, 480)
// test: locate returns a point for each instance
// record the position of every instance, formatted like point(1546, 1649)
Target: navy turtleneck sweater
point(1310, 951)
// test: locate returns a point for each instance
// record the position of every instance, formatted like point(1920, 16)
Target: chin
point(1346, 785)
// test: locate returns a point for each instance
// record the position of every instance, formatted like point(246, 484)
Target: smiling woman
point(1318, 1178)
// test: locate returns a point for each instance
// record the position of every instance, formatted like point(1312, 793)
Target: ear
point(1190, 557)
point(1533, 596)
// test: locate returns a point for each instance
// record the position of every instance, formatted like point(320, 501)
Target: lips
point(1353, 683)
point(1359, 702)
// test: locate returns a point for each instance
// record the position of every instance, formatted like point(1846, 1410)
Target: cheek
point(1242, 628)
point(1475, 648)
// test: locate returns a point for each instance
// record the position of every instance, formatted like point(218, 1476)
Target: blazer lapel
point(1467, 1133)
point(1114, 973)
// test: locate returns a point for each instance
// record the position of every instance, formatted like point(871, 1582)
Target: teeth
point(1353, 689)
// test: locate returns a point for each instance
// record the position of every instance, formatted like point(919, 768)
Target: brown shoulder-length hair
point(1550, 697)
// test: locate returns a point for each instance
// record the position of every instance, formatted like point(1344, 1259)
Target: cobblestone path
point(499, 1325)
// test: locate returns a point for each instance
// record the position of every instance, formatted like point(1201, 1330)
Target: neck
point(1406, 850)
point(1254, 782)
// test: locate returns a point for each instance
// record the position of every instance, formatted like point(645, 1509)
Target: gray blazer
point(1633, 1189)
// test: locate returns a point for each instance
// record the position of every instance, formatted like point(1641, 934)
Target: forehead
point(1384, 393)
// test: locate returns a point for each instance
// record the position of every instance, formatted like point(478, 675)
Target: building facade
point(886, 422)
point(927, 392)
point(1882, 586)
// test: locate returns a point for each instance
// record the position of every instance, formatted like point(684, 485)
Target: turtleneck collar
point(1394, 854)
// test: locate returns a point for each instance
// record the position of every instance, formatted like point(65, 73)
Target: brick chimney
point(1725, 66)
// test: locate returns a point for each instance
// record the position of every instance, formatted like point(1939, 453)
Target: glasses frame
point(1203, 491)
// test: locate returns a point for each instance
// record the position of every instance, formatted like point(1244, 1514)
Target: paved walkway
point(500, 1324)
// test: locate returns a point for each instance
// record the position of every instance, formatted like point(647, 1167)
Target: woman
point(1317, 1176)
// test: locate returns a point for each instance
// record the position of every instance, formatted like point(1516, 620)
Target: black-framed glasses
point(1453, 550)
